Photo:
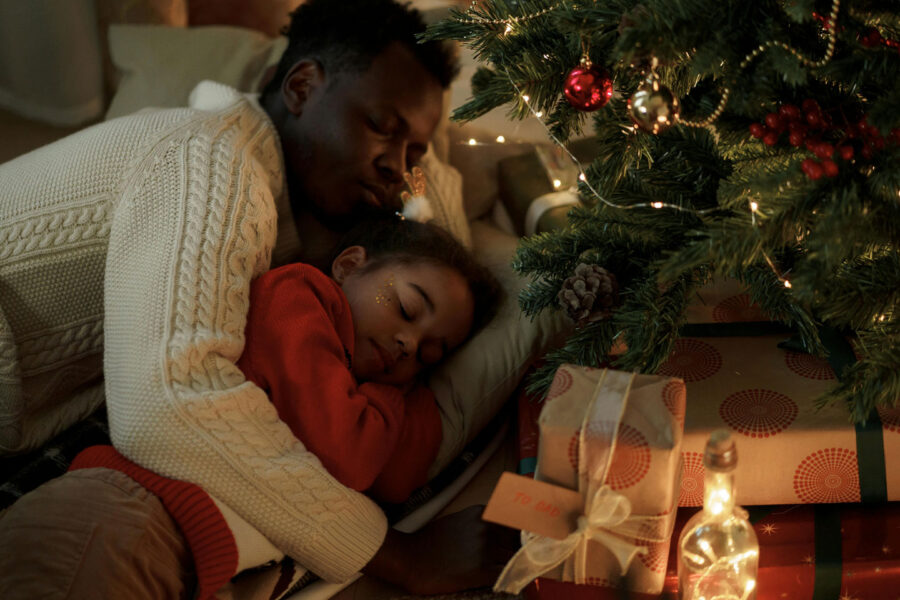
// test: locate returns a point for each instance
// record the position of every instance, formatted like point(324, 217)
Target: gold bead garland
point(830, 26)
point(472, 20)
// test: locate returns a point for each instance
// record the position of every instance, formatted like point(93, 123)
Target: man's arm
point(195, 223)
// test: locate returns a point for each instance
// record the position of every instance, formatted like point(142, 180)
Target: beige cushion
point(160, 65)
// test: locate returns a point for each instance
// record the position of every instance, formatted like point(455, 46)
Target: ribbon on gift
point(607, 518)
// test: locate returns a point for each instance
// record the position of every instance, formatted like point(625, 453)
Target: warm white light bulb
point(754, 206)
point(539, 114)
point(582, 177)
point(472, 141)
point(657, 205)
point(500, 139)
point(508, 28)
point(787, 284)
point(526, 97)
point(557, 183)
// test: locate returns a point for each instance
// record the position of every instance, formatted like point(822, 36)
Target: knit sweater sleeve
point(299, 347)
point(420, 437)
point(195, 223)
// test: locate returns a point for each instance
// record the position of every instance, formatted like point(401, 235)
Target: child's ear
point(348, 261)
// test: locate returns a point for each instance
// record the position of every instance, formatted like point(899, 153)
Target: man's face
point(357, 133)
point(406, 317)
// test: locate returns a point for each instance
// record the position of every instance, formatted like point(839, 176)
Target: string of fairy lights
point(830, 23)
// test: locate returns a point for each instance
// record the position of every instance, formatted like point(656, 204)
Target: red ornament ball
point(770, 139)
point(829, 167)
point(588, 88)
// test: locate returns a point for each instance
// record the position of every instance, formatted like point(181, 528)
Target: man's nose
point(392, 164)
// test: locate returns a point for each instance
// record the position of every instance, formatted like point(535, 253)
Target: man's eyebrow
point(424, 295)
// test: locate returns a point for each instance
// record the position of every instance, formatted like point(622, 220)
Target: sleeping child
point(341, 357)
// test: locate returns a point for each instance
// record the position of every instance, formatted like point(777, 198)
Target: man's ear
point(304, 77)
point(348, 261)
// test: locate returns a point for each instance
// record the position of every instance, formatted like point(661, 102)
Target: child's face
point(406, 316)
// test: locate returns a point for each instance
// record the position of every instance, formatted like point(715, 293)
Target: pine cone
point(590, 294)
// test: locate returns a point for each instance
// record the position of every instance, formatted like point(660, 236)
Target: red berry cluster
point(871, 37)
point(809, 126)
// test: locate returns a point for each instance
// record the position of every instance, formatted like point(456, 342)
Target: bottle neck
point(718, 493)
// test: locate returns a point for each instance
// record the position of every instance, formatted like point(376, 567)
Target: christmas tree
point(752, 140)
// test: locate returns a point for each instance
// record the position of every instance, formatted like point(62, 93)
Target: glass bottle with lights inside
point(718, 552)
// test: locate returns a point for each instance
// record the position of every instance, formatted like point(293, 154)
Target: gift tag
point(536, 506)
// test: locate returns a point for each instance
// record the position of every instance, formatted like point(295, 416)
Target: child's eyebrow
point(424, 295)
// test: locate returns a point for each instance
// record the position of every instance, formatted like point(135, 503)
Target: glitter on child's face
point(383, 296)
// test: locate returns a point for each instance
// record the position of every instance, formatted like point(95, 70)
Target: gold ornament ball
point(653, 107)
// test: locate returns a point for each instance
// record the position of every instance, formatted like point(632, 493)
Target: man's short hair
point(346, 36)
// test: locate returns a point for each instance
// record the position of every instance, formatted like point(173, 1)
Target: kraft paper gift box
point(615, 437)
point(789, 450)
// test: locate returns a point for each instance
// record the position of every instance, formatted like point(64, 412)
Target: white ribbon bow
point(608, 510)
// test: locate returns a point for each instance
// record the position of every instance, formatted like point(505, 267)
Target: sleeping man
point(126, 255)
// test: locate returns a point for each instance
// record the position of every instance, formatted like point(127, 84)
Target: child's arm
point(298, 331)
point(407, 467)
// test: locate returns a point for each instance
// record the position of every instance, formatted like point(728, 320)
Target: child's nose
point(408, 341)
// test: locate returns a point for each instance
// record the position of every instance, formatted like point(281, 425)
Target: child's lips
point(387, 359)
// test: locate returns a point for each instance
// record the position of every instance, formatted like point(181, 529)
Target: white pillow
point(476, 381)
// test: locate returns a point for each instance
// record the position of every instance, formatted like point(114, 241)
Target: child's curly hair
point(404, 241)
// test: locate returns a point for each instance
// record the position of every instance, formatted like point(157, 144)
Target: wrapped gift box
point(789, 451)
point(576, 424)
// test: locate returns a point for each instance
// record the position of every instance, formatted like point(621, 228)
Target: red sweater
point(299, 349)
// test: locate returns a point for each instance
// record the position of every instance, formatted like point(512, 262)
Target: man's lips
point(374, 195)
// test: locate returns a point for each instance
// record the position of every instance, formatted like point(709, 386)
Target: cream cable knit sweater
point(186, 201)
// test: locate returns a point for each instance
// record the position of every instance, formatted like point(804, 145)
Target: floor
point(478, 491)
